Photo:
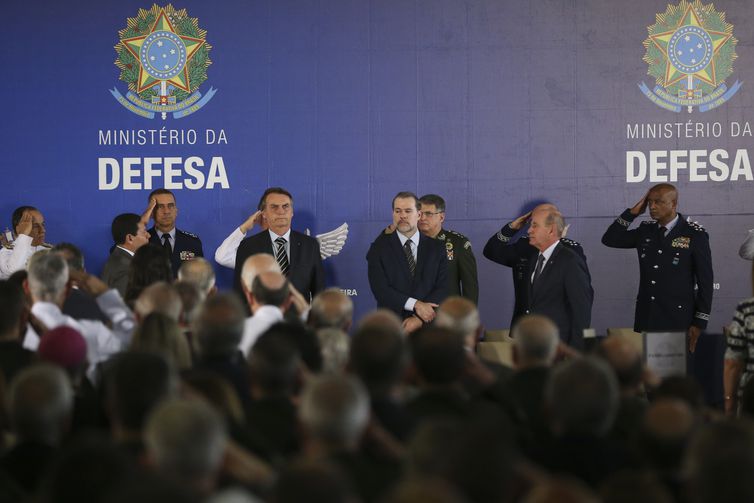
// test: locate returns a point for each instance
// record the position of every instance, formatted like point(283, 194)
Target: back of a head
point(186, 439)
point(682, 387)
point(333, 343)
point(48, 276)
point(40, 404)
point(160, 297)
point(719, 463)
point(149, 264)
point(63, 346)
point(582, 397)
point(123, 225)
point(536, 339)
point(11, 307)
point(460, 315)
point(625, 360)
point(381, 318)
point(270, 289)
point(274, 364)
point(378, 357)
point(665, 431)
point(219, 326)
point(334, 409)
point(135, 382)
point(72, 255)
point(331, 308)
point(305, 340)
point(191, 300)
point(256, 264)
point(160, 334)
point(199, 272)
point(438, 355)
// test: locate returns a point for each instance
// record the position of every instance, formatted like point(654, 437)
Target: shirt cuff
point(409, 305)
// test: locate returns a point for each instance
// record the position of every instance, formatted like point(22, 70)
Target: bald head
point(666, 188)
point(625, 360)
point(535, 339)
point(199, 272)
point(331, 308)
point(269, 289)
point(461, 316)
point(383, 319)
point(255, 264)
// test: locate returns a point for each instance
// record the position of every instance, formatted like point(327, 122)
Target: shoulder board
point(696, 226)
point(570, 243)
point(649, 222)
point(189, 234)
point(458, 235)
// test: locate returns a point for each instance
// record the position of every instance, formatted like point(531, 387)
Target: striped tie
point(410, 257)
point(281, 256)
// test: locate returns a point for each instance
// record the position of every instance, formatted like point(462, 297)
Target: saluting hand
point(520, 221)
point(641, 206)
point(25, 225)
point(249, 223)
point(147, 215)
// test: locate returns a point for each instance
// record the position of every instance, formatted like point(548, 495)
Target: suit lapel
point(295, 252)
point(395, 244)
point(545, 269)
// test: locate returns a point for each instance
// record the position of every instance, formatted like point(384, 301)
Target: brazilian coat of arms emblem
point(163, 56)
point(690, 52)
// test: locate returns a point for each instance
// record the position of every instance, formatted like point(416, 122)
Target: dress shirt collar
point(172, 235)
point(127, 250)
point(548, 252)
point(670, 225)
point(274, 236)
point(414, 239)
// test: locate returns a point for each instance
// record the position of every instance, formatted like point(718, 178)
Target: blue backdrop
point(490, 103)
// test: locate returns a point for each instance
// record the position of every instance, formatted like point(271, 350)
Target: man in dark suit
point(519, 254)
point(559, 282)
point(180, 245)
point(675, 265)
point(129, 234)
point(297, 254)
point(408, 271)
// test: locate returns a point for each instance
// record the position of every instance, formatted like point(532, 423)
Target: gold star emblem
point(134, 46)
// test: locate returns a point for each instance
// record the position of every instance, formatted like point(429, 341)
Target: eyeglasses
point(430, 213)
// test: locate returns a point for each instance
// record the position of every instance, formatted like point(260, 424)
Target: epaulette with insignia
point(188, 233)
point(695, 225)
point(649, 222)
point(570, 243)
point(458, 234)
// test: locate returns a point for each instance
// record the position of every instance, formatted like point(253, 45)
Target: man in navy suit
point(408, 271)
point(559, 282)
point(178, 244)
point(296, 253)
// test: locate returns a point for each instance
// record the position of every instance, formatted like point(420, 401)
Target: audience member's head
point(71, 254)
point(334, 411)
point(381, 318)
point(149, 264)
point(664, 434)
point(161, 335)
point(460, 315)
point(64, 346)
point(40, 404)
point(274, 366)
point(217, 391)
point(269, 289)
point(135, 382)
point(305, 340)
point(378, 357)
point(333, 343)
point(625, 360)
point(191, 301)
point(256, 264)
point(535, 341)
point(159, 297)
point(719, 463)
point(581, 396)
point(199, 272)
point(219, 326)
point(684, 388)
point(48, 278)
point(331, 308)
point(438, 355)
point(186, 440)
point(11, 310)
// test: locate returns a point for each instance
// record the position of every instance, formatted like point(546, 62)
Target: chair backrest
point(496, 352)
point(636, 338)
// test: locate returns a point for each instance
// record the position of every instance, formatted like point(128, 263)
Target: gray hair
point(256, 264)
point(199, 272)
point(40, 403)
point(331, 308)
point(186, 438)
point(335, 345)
point(160, 297)
point(335, 409)
point(536, 339)
point(48, 276)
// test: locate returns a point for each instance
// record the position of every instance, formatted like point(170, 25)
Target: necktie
point(409, 257)
point(282, 256)
point(661, 231)
point(538, 269)
point(166, 244)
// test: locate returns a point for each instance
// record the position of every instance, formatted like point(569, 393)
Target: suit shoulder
point(303, 237)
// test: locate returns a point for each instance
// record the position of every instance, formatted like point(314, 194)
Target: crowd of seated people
point(176, 394)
